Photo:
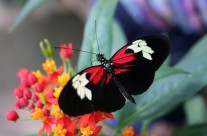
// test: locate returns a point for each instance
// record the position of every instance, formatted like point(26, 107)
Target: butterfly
point(106, 87)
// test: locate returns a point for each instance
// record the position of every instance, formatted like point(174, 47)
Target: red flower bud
point(32, 78)
point(24, 82)
point(23, 102)
point(50, 93)
point(46, 112)
point(39, 87)
point(31, 106)
point(18, 92)
point(12, 115)
point(17, 104)
point(35, 98)
point(27, 94)
point(66, 51)
point(40, 105)
point(22, 73)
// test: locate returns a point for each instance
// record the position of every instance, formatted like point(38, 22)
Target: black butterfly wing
point(90, 90)
point(135, 63)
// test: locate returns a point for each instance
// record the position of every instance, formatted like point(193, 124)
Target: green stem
point(145, 125)
point(43, 99)
point(70, 68)
point(65, 69)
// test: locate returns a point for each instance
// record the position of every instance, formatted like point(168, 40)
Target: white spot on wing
point(141, 45)
point(79, 82)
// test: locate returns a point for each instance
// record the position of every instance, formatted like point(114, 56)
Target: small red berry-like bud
point(46, 112)
point(66, 51)
point(22, 73)
point(35, 98)
point(17, 104)
point(32, 78)
point(24, 82)
point(23, 102)
point(50, 93)
point(27, 94)
point(18, 92)
point(12, 115)
point(40, 105)
point(31, 106)
point(38, 87)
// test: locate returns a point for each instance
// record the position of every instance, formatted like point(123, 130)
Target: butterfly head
point(100, 57)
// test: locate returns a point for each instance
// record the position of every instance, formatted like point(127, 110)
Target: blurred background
point(62, 21)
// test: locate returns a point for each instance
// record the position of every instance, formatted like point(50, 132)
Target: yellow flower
point(57, 91)
point(59, 131)
point(56, 111)
point(63, 79)
point(128, 131)
point(39, 75)
point(86, 131)
point(49, 66)
point(37, 114)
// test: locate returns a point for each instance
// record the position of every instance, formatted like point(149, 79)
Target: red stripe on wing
point(97, 74)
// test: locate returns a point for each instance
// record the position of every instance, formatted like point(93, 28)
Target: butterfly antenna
point(75, 50)
point(97, 36)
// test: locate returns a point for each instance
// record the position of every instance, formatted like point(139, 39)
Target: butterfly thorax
point(106, 64)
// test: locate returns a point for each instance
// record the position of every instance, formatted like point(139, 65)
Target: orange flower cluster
point(39, 93)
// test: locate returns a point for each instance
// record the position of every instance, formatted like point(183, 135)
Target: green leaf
point(195, 110)
point(30, 6)
point(168, 92)
point(103, 12)
point(43, 134)
point(168, 71)
point(195, 130)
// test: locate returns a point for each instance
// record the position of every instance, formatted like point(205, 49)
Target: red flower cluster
point(39, 93)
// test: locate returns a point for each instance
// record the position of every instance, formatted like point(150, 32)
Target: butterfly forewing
point(90, 90)
point(134, 66)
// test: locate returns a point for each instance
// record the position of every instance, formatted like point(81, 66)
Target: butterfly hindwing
point(90, 90)
point(135, 63)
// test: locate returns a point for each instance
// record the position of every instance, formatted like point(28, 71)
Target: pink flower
point(18, 92)
point(35, 98)
point(40, 105)
point(12, 115)
point(23, 102)
point(66, 51)
point(32, 78)
point(22, 73)
point(27, 94)
point(39, 87)
point(31, 106)
point(17, 104)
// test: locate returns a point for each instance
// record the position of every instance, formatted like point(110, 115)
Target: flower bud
point(32, 78)
point(46, 112)
point(31, 106)
point(18, 92)
point(39, 87)
point(35, 98)
point(17, 104)
point(50, 93)
point(40, 105)
point(27, 94)
point(47, 49)
point(22, 73)
point(12, 115)
point(23, 102)
point(66, 51)
point(24, 82)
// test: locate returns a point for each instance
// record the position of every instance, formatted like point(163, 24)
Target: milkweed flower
point(86, 131)
point(66, 51)
point(12, 115)
point(39, 94)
